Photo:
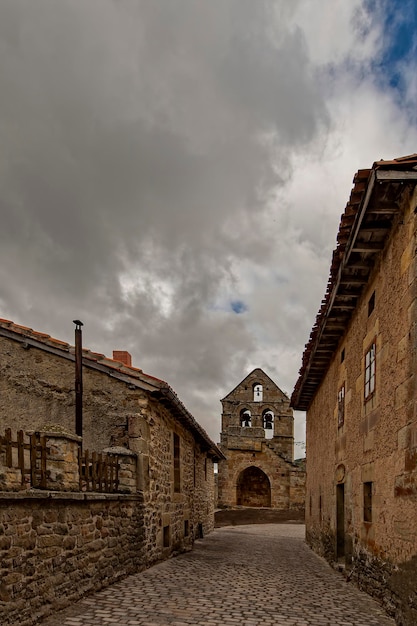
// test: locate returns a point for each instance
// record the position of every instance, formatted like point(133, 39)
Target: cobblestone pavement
point(251, 575)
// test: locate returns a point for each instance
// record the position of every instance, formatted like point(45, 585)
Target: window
point(177, 467)
point(371, 304)
point(370, 372)
point(186, 528)
point(342, 356)
point(341, 406)
point(166, 537)
point(257, 392)
point(367, 502)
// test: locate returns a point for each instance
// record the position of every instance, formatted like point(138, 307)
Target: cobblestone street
point(254, 575)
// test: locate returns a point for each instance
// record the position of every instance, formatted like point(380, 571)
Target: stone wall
point(60, 543)
point(287, 482)
point(258, 470)
point(174, 518)
point(375, 448)
point(37, 388)
point(56, 547)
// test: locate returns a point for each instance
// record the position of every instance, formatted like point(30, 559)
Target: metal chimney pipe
point(78, 378)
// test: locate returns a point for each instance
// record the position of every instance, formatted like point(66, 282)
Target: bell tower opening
point(268, 423)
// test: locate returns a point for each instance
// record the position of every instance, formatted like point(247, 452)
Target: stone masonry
point(257, 439)
point(361, 501)
point(170, 490)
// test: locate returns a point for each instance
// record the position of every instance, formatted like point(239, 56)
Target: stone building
point(122, 406)
point(358, 385)
point(257, 440)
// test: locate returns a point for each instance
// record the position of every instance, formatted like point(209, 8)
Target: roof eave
point(306, 386)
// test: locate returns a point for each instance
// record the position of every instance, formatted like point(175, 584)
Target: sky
point(173, 172)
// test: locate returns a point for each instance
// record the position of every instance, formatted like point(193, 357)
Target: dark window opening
point(371, 304)
point(166, 537)
point(186, 528)
point(177, 467)
point(342, 356)
point(367, 502)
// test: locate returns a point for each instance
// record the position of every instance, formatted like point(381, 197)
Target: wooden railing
point(33, 461)
point(98, 472)
point(27, 456)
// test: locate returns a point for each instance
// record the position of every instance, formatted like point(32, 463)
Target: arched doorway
point(253, 488)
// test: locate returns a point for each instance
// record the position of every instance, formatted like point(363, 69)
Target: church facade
point(257, 440)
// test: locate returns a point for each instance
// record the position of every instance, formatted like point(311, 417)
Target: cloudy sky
point(173, 172)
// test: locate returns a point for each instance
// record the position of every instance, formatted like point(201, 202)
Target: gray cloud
point(144, 147)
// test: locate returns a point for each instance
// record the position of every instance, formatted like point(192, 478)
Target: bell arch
point(245, 418)
point(268, 423)
point(253, 488)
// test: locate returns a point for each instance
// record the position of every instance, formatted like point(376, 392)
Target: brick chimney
point(122, 356)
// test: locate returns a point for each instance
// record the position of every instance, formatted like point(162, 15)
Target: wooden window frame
point(341, 406)
point(370, 371)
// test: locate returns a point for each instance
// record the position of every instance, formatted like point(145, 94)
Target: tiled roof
point(374, 204)
point(158, 388)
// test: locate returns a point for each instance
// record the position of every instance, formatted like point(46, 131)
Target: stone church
point(257, 440)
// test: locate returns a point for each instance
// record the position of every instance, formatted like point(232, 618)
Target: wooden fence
point(30, 455)
point(98, 472)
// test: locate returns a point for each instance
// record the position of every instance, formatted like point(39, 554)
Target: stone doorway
point(253, 488)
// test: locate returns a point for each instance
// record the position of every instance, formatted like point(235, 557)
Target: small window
point(370, 371)
point(367, 502)
point(371, 304)
point(342, 356)
point(341, 406)
point(257, 392)
point(166, 537)
point(177, 467)
point(186, 528)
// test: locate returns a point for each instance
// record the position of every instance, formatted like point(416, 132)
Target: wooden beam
point(353, 280)
point(396, 175)
point(369, 246)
